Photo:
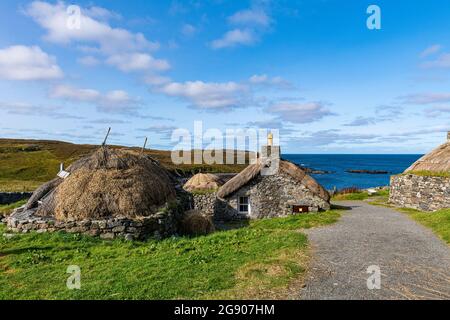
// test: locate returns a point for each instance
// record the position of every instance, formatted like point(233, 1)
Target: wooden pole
point(104, 141)
point(145, 143)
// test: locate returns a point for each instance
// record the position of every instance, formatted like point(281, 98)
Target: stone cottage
point(271, 187)
point(425, 185)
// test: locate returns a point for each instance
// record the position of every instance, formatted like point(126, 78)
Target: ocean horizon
point(338, 164)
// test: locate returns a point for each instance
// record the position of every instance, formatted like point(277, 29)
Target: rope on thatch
point(286, 167)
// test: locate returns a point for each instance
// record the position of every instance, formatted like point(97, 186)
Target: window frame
point(243, 203)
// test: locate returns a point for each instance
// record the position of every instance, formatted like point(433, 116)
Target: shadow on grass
point(340, 207)
point(231, 225)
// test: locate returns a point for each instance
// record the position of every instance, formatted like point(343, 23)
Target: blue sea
point(338, 163)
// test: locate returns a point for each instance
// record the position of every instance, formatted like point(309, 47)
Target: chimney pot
point(270, 139)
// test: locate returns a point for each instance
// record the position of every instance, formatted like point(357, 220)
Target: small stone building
point(425, 185)
point(269, 188)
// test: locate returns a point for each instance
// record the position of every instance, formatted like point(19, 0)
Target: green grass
point(26, 164)
point(363, 195)
point(351, 196)
point(438, 221)
point(257, 261)
point(8, 208)
point(430, 173)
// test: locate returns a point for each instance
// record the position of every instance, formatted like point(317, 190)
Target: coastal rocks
point(425, 193)
point(316, 171)
point(368, 171)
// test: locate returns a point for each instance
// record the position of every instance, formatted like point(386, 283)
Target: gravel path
point(414, 263)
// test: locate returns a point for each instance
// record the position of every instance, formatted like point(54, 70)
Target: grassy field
point(6, 209)
point(361, 195)
point(25, 164)
point(260, 260)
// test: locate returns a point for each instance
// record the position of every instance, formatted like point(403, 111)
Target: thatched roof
point(203, 181)
point(108, 183)
point(286, 167)
point(437, 160)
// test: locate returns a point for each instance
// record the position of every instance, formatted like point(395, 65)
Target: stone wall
point(11, 197)
point(205, 203)
point(273, 196)
point(420, 192)
point(159, 225)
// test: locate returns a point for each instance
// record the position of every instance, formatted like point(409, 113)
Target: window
point(243, 205)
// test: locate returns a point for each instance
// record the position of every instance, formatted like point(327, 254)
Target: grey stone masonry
point(160, 225)
point(273, 196)
point(425, 193)
point(205, 203)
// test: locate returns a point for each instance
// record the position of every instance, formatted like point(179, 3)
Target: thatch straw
point(194, 223)
point(437, 160)
point(203, 181)
point(286, 167)
point(109, 184)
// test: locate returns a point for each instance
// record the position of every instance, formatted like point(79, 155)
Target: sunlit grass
point(256, 261)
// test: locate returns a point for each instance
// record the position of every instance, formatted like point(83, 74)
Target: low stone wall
point(204, 203)
point(11, 197)
point(159, 225)
point(420, 192)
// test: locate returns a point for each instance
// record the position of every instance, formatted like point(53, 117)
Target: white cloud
point(27, 63)
point(253, 16)
point(250, 25)
point(233, 38)
point(426, 98)
point(53, 18)
point(430, 50)
point(89, 61)
point(117, 101)
point(161, 129)
point(208, 95)
point(121, 48)
point(101, 13)
point(156, 80)
point(443, 61)
point(263, 79)
point(188, 30)
point(26, 109)
point(299, 112)
point(137, 62)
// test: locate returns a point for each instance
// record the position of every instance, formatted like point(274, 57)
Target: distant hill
point(25, 164)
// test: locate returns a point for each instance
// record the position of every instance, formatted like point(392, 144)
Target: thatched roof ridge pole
point(143, 148)
point(106, 138)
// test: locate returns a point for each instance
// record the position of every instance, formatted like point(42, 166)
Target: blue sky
point(311, 69)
